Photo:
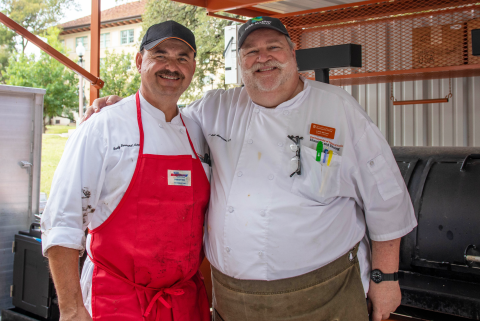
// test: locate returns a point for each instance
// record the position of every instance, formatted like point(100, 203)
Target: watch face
point(376, 276)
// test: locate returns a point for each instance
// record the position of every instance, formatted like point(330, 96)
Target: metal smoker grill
point(440, 258)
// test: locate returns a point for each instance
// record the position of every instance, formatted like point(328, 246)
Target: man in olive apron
point(299, 172)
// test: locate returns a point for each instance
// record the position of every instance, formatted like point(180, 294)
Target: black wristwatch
point(378, 276)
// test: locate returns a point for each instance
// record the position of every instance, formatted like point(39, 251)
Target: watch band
point(378, 276)
point(390, 277)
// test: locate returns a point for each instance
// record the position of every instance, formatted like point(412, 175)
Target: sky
point(85, 7)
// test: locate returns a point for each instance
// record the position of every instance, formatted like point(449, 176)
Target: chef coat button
point(260, 253)
point(262, 213)
point(250, 141)
point(239, 174)
point(286, 112)
point(181, 130)
point(230, 209)
point(160, 125)
point(372, 163)
point(280, 144)
point(227, 249)
point(257, 110)
point(270, 177)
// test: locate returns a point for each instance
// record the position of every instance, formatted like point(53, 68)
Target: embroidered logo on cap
point(256, 19)
point(322, 131)
point(179, 178)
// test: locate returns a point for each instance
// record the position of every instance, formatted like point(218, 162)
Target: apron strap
point(158, 296)
point(352, 254)
point(190, 141)
point(140, 124)
point(140, 127)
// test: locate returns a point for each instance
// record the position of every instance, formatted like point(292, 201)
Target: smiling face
point(268, 62)
point(167, 69)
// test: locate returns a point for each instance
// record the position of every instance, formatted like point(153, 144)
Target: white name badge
point(179, 178)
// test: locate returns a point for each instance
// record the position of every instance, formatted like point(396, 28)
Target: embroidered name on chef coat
point(179, 178)
point(322, 131)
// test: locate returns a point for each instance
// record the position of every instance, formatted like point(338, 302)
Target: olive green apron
point(333, 292)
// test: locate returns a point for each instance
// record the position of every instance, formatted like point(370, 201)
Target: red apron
point(148, 252)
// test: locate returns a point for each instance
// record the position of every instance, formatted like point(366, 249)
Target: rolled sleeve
point(73, 197)
point(387, 205)
point(72, 238)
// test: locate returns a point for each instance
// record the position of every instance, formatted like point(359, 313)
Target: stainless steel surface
point(21, 124)
point(456, 123)
point(287, 6)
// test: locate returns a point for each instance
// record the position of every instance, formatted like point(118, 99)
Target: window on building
point(105, 40)
point(84, 40)
point(127, 37)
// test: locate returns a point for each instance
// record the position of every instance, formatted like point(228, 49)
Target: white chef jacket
point(96, 168)
point(265, 225)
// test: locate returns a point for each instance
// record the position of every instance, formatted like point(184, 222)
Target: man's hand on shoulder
point(98, 104)
point(385, 298)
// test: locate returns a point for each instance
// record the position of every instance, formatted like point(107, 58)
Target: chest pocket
point(319, 181)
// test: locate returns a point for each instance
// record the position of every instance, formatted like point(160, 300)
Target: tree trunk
point(24, 44)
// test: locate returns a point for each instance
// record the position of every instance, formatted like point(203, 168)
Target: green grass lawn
point(52, 150)
point(58, 129)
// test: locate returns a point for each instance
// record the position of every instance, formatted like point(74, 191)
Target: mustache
point(168, 73)
point(271, 63)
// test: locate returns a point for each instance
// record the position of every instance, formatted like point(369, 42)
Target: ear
point(194, 65)
point(138, 62)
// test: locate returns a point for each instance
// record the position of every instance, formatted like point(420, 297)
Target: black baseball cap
point(160, 32)
point(257, 23)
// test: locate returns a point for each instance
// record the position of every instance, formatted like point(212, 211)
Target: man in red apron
point(145, 253)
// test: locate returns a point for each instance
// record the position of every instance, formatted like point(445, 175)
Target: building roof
point(124, 14)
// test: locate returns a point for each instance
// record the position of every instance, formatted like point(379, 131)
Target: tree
point(7, 47)
point(60, 82)
point(35, 15)
point(120, 76)
point(209, 38)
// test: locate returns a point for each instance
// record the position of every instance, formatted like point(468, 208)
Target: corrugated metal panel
point(21, 122)
point(456, 123)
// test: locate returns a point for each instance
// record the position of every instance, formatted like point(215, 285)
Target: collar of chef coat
point(157, 113)
point(295, 101)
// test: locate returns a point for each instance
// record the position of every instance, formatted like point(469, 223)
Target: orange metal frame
point(95, 47)
point(225, 17)
point(93, 76)
point(314, 20)
point(420, 101)
point(246, 7)
point(231, 6)
point(94, 80)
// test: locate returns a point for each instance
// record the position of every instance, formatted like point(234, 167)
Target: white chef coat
point(265, 225)
point(96, 168)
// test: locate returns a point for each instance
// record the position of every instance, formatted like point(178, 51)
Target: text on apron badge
point(179, 178)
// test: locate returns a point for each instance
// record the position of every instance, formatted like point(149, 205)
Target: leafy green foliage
point(7, 47)
point(60, 82)
point(35, 15)
point(120, 76)
point(209, 36)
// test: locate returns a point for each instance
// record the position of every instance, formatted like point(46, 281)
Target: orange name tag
point(323, 131)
